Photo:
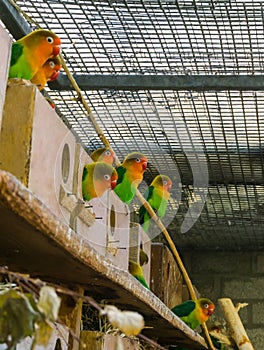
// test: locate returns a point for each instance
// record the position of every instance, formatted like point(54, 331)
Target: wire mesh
point(175, 129)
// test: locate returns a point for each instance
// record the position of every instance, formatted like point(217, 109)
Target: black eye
point(107, 177)
point(108, 153)
point(165, 183)
point(206, 306)
point(52, 64)
point(49, 39)
point(138, 160)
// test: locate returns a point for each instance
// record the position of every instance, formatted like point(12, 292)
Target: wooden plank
point(33, 240)
point(5, 44)
point(166, 278)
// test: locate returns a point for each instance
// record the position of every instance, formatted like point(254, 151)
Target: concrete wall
point(235, 275)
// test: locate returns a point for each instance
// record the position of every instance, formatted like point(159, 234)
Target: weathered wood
point(166, 278)
point(71, 315)
point(236, 328)
point(33, 240)
point(99, 341)
point(5, 44)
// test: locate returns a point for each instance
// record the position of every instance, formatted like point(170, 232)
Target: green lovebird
point(97, 178)
point(31, 52)
point(157, 195)
point(105, 155)
point(194, 312)
point(130, 174)
point(136, 270)
point(143, 257)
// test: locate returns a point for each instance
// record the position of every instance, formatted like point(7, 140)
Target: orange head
point(105, 155)
point(162, 181)
point(51, 68)
point(207, 307)
point(54, 66)
point(136, 162)
point(42, 43)
point(104, 177)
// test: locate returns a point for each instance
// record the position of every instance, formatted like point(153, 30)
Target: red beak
point(56, 51)
point(113, 184)
point(54, 76)
point(211, 309)
point(144, 165)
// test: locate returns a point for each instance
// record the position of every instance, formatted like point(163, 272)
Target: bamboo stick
point(138, 194)
point(141, 199)
point(237, 330)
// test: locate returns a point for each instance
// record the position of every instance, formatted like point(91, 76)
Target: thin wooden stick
point(141, 199)
point(237, 330)
point(138, 194)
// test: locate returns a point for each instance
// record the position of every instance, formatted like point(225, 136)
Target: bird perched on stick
point(31, 52)
point(130, 174)
point(136, 270)
point(143, 257)
point(48, 72)
point(97, 178)
point(194, 312)
point(157, 195)
point(105, 155)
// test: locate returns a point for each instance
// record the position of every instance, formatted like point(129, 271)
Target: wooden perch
point(237, 330)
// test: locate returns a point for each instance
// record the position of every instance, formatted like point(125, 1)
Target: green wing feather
point(142, 280)
point(85, 173)
point(142, 210)
point(121, 173)
point(184, 309)
point(17, 51)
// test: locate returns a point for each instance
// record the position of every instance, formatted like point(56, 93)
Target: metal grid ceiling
point(184, 133)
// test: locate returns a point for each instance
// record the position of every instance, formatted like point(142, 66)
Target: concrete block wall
point(235, 275)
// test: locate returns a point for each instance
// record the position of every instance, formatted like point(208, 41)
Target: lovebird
point(105, 155)
point(136, 270)
point(31, 52)
point(96, 179)
point(130, 174)
point(157, 195)
point(143, 257)
point(194, 312)
point(48, 72)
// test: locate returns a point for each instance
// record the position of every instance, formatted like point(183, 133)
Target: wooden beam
point(173, 82)
point(36, 242)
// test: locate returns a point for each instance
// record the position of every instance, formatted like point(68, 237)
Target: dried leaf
point(128, 322)
point(49, 303)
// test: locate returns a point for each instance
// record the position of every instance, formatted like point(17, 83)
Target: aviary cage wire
point(184, 132)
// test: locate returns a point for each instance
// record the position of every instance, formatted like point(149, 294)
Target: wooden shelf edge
point(35, 241)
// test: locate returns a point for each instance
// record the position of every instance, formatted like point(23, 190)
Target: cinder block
point(166, 278)
point(259, 263)
point(256, 337)
point(243, 289)
point(37, 147)
point(220, 262)
point(258, 312)
point(5, 44)
point(140, 240)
